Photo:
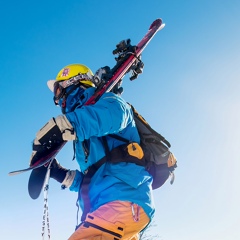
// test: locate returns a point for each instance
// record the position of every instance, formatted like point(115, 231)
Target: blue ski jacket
point(122, 181)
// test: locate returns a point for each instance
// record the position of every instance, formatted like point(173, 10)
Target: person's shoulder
point(112, 97)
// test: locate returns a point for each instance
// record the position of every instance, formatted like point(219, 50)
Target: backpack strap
point(119, 138)
point(123, 152)
point(84, 187)
point(106, 148)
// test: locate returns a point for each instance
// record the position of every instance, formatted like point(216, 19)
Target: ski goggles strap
point(75, 80)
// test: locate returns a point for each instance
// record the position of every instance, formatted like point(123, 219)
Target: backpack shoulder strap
point(119, 138)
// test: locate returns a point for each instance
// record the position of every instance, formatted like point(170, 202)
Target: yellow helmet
point(74, 72)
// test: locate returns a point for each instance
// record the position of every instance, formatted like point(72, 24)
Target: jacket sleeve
point(109, 115)
point(76, 182)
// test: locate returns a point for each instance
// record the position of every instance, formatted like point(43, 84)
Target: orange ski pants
point(116, 220)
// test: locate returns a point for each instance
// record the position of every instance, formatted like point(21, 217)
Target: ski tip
point(162, 26)
point(13, 173)
point(157, 24)
point(36, 181)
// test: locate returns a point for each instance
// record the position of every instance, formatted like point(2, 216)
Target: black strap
point(105, 144)
point(106, 148)
point(119, 138)
point(84, 190)
point(84, 187)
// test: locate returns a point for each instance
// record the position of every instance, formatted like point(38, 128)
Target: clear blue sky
point(189, 92)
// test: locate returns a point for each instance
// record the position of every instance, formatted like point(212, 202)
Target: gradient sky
point(189, 92)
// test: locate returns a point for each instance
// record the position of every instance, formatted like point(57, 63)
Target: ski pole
point(45, 206)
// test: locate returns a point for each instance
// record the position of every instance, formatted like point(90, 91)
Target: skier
point(114, 189)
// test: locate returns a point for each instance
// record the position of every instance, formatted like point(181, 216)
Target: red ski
point(129, 59)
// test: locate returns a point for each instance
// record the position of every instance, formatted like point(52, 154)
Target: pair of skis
point(128, 59)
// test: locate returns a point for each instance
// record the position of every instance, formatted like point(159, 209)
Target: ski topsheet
point(117, 73)
point(41, 162)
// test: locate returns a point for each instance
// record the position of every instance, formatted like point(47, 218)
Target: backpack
point(157, 158)
point(160, 162)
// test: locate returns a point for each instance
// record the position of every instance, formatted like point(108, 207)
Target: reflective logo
point(65, 72)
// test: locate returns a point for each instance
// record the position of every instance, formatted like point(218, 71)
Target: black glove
point(61, 174)
point(57, 172)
